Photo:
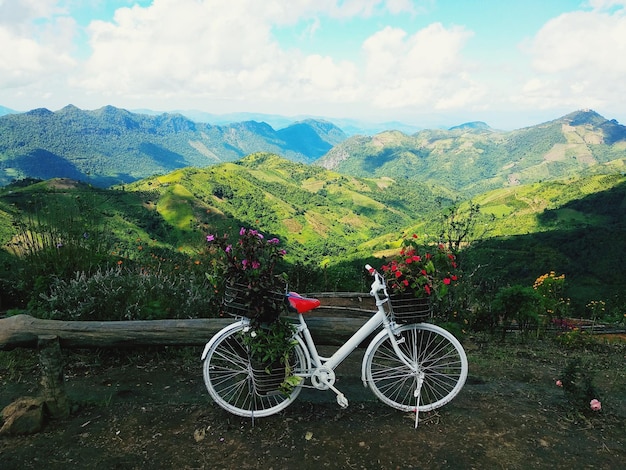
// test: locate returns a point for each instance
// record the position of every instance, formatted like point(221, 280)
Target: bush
point(519, 304)
point(577, 383)
point(127, 294)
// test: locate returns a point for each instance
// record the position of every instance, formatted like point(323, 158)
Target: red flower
point(446, 281)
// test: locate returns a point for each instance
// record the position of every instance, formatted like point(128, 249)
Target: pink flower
point(210, 238)
point(559, 383)
point(242, 231)
point(595, 405)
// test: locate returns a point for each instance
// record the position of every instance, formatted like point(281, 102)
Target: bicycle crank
point(323, 379)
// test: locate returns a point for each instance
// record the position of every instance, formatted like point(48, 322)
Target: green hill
point(574, 226)
point(321, 214)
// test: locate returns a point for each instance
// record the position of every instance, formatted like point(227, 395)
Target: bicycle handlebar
point(379, 281)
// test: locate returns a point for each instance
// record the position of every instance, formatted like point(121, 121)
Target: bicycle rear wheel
point(229, 379)
point(439, 360)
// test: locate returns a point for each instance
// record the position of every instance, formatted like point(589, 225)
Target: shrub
point(121, 293)
point(577, 383)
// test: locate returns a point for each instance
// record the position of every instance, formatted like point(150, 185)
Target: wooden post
point(52, 380)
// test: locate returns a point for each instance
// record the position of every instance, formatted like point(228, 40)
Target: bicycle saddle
point(299, 304)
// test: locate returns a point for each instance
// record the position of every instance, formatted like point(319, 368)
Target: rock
point(23, 416)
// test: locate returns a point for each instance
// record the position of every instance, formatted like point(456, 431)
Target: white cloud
point(193, 49)
point(226, 56)
point(30, 55)
point(577, 59)
point(425, 68)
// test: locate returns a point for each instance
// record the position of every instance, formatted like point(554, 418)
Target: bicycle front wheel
point(438, 372)
point(229, 379)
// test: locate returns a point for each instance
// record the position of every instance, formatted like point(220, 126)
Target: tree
point(517, 303)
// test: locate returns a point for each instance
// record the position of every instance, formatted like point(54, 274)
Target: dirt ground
point(150, 409)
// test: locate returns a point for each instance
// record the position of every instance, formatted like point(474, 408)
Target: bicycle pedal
point(342, 401)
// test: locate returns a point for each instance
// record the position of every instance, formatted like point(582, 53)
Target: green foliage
point(248, 265)
point(423, 271)
point(270, 343)
point(331, 225)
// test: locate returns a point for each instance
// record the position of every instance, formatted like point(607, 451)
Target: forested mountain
point(111, 145)
point(317, 212)
point(473, 158)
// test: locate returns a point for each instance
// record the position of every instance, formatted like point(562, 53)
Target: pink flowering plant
point(577, 384)
point(424, 272)
point(249, 263)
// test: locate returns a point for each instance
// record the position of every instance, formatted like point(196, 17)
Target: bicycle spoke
point(432, 352)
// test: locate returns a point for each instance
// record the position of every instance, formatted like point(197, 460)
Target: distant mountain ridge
point(111, 145)
point(474, 158)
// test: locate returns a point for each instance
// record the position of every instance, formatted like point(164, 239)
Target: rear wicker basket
point(236, 300)
point(406, 308)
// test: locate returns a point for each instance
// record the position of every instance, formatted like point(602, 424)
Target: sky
point(428, 63)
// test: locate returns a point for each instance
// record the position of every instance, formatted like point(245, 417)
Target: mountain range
point(111, 146)
point(473, 158)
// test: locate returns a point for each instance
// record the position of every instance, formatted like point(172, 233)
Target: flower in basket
point(247, 266)
point(421, 271)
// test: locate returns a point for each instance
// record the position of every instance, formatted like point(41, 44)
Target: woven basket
point(236, 302)
point(267, 383)
point(407, 308)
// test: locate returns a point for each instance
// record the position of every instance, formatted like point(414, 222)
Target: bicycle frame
point(325, 366)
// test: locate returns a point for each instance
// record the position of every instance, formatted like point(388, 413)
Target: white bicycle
point(411, 367)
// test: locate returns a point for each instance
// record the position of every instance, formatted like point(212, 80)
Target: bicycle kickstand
point(416, 394)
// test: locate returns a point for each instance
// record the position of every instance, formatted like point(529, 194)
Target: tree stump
point(52, 380)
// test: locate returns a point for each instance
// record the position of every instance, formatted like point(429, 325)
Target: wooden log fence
point(329, 325)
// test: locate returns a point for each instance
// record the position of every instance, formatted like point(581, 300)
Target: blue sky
point(429, 63)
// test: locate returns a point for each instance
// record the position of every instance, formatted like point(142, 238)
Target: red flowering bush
point(423, 271)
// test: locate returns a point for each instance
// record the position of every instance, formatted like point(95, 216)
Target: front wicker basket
point(406, 308)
